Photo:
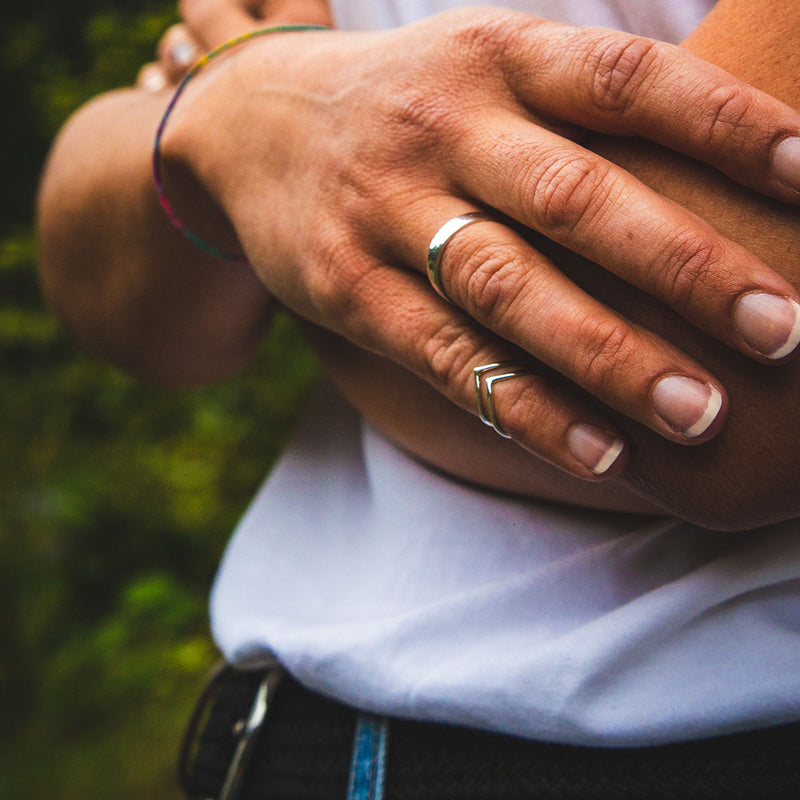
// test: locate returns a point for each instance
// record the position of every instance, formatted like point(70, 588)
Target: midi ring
point(440, 240)
point(503, 371)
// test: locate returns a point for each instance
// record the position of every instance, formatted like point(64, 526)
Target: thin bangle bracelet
point(157, 176)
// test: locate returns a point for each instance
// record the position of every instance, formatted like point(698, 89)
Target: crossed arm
point(749, 474)
point(157, 307)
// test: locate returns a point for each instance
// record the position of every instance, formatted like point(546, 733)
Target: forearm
point(749, 474)
point(129, 286)
point(126, 283)
point(293, 158)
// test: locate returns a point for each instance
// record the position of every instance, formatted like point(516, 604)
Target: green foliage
point(52, 59)
point(116, 498)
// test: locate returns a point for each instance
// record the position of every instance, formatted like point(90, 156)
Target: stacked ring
point(486, 376)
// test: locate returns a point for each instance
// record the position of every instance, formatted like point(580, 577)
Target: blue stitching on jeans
point(368, 764)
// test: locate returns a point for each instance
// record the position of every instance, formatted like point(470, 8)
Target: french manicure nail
point(596, 449)
point(786, 161)
point(769, 323)
point(686, 405)
point(154, 81)
point(183, 53)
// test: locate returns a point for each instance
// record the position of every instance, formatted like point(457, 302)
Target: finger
point(177, 51)
point(214, 22)
point(600, 211)
point(623, 84)
point(151, 78)
point(514, 291)
point(303, 12)
point(440, 344)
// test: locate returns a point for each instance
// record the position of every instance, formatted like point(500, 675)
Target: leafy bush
point(116, 498)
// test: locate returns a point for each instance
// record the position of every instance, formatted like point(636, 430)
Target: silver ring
point(440, 240)
point(503, 371)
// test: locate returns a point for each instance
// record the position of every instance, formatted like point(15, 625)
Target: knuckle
point(435, 98)
point(447, 357)
point(325, 286)
point(419, 119)
point(336, 283)
point(485, 36)
point(518, 406)
point(490, 280)
point(684, 265)
point(565, 191)
point(619, 66)
point(608, 346)
point(731, 110)
point(470, 52)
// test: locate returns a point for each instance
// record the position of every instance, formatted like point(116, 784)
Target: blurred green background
point(116, 498)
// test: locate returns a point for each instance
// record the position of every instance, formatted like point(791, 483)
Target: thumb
point(305, 12)
point(213, 22)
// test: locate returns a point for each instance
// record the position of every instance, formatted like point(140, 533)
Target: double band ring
point(486, 376)
point(439, 243)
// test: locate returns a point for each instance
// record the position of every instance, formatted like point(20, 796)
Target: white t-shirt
point(383, 583)
point(668, 20)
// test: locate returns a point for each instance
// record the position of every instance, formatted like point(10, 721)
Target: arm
point(748, 475)
point(128, 285)
point(337, 156)
point(122, 279)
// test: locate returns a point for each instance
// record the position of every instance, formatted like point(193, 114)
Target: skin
point(430, 427)
point(122, 279)
point(747, 476)
point(186, 300)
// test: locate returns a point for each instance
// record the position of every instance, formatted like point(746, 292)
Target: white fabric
point(669, 20)
point(382, 583)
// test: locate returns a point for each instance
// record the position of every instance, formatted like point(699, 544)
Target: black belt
point(303, 752)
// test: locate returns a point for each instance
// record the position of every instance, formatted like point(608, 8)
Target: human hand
point(215, 21)
point(181, 46)
point(338, 156)
point(176, 52)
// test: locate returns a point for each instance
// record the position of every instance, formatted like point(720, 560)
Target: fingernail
point(686, 405)
point(183, 53)
point(769, 323)
point(154, 81)
point(786, 161)
point(596, 449)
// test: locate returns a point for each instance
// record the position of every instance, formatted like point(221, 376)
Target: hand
point(179, 47)
point(176, 53)
point(215, 21)
point(338, 156)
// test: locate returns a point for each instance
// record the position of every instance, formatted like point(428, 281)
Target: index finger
point(621, 84)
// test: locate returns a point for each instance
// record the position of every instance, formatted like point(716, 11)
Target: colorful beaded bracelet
point(157, 176)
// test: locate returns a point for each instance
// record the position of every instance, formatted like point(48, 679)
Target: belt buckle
point(248, 730)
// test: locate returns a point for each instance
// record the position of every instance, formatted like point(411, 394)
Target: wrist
point(178, 159)
point(175, 154)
